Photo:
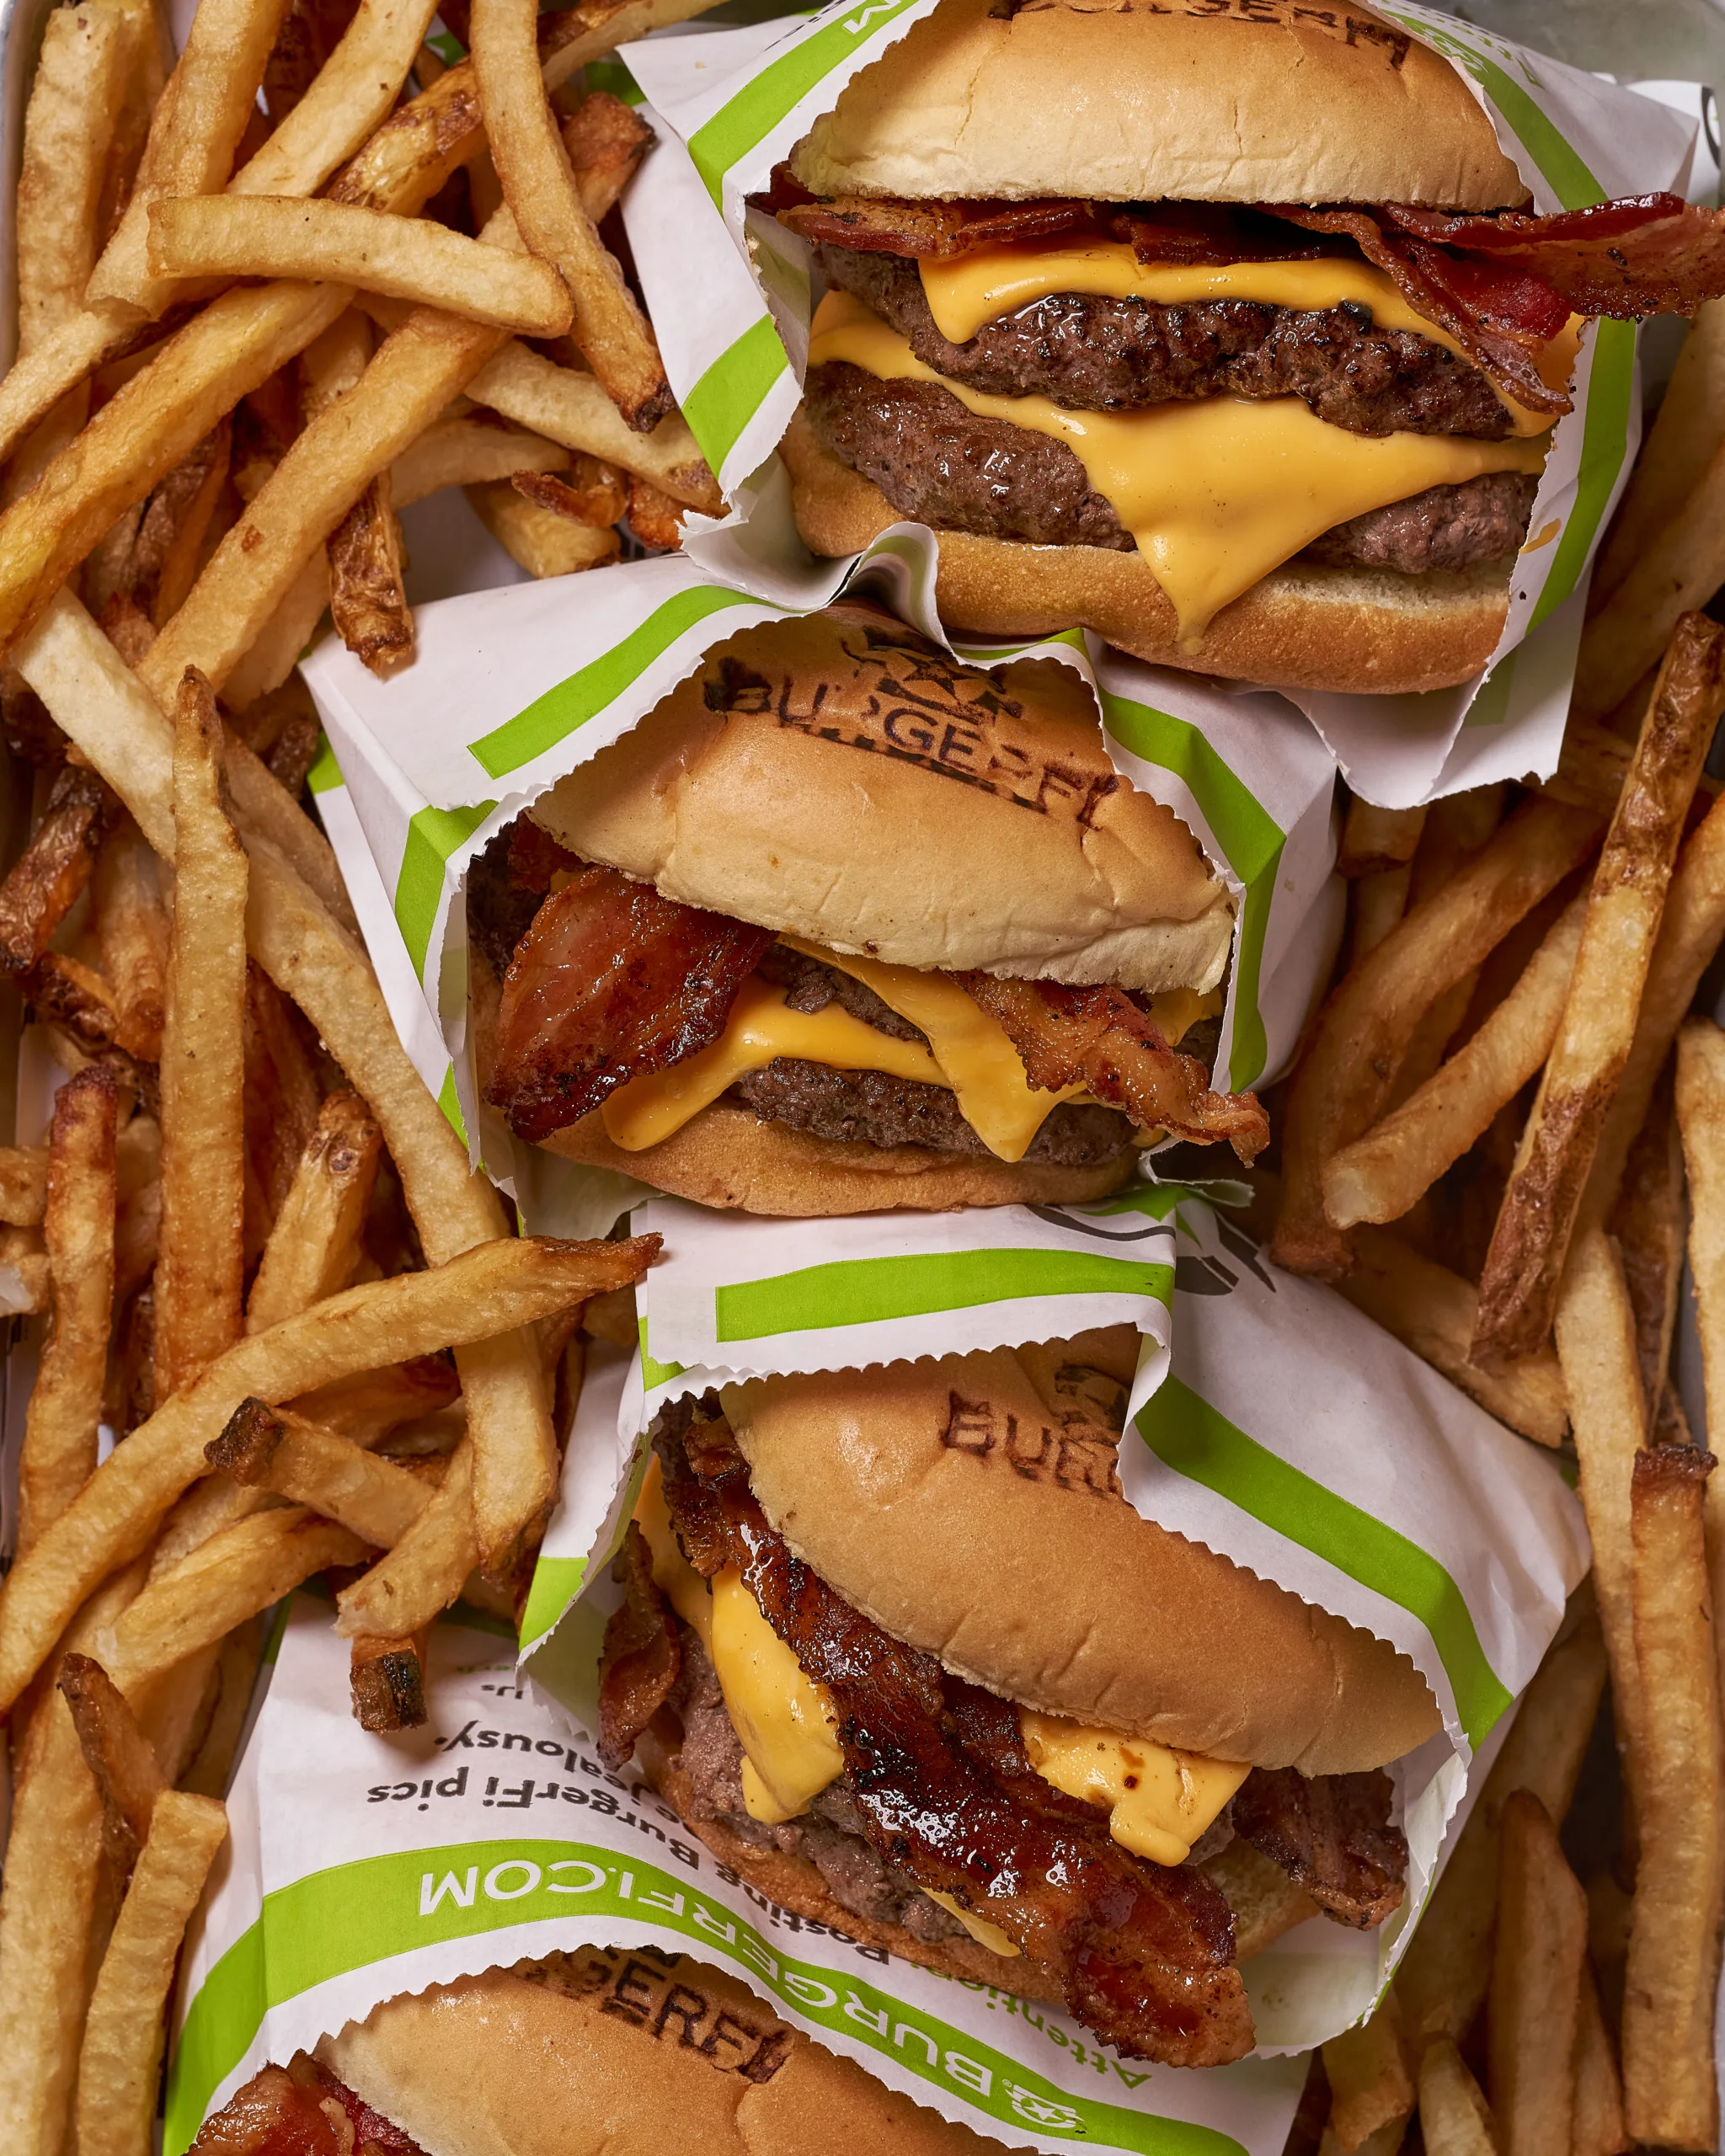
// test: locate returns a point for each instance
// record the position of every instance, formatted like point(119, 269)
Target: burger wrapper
point(737, 100)
point(515, 689)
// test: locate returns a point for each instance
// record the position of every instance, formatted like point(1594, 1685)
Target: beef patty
point(1097, 355)
point(937, 462)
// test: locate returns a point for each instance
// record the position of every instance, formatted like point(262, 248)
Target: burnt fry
point(368, 602)
point(49, 876)
point(315, 1243)
point(128, 1774)
point(267, 1447)
point(605, 141)
point(389, 1681)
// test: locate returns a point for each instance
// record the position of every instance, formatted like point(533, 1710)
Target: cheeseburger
point(842, 924)
point(897, 1649)
point(1218, 325)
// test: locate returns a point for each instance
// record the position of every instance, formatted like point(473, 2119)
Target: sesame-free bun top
point(840, 779)
point(1145, 100)
point(969, 1506)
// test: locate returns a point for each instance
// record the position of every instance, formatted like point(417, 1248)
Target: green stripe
point(653, 1372)
point(358, 1915)
point(733, 389)
point(326, 773)
point(449, 48)
point(450, 1101)
point(1248, 836)
point(433, 835)
point(1189, 1436)
point(1604, 441)
point(558, 713)
point(556, 1582)
point(759, 106)
point(1491, 706)
point(611, 76)
point(863, 1291)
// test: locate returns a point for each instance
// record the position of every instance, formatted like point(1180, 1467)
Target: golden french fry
point(1369, 2084)
point(64, 1412)
point(1700, 1119)
point(237, 1661)
point(418, 147)
point(132, 936)
point(1647, 1224)
point(24, 1273)
point(367, 1408)
point(605, 141)
point(1345, 1077)
point(75, 101)
point(655, 519)
point(200, 1263)
point(1535, 1996)
point(1454, 2119)
point(470, 451)
point(368, 601)
point(121, 2056)
point(1518, 1288)
point(315, 1244)
point(387, 1676)
point(276, 651)
point(593, 492)
point(545, 542)
point(1381, 1175)
point(129, 1776)
point(1375, 839)
point(48, 878)
point(1669, 2093)
point(267, 1447)
point(1597, 2126)
point(24, 1185)
point(1687, 432)
point(350, 96)
point(425, 1572)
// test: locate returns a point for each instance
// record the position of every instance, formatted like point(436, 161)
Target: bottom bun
point(621, 2052)
point(1303, 627)
point(726, 1156)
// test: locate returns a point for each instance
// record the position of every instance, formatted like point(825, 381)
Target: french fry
point(315, 1243)
point(1647, 1224)
point(367, 1408)
point(24, 1185)
point(612, 332)
point(49, 876)
point(1536, 1995)
point(417, 148)
point(1432, 1310)
point(237, 1661)
point(488, 1290)
point(75, 101)
point(1596, 2127)
point(368, 601)
point(128, 1775)
point(350, 96)
point(1443, 1979)
point(543, 540)
point(1454, 2119)
point(424, 1571)
point(1687, 432)
point(122, 2055)
point(199, 1267)
point(470, 451)
point(64, 1412)
point(131, 934)
point(276, 651)
point(605, 141)
point(1699, 1100)
point(24, 1273)
point(1345, 1077)
point(1369, 2084)
point(267, 1447)
point(1669, 2093)
point(593, 492)
point(388, 1676)
point(310, 31)
point(1381, 1175)
point(1519, 1289)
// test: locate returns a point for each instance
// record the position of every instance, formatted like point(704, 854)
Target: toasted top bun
point(971, 1506)
point(1145, 100)
point(803, 780)
point(621, 2054)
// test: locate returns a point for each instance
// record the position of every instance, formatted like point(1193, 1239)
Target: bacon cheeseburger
point(895, 1647)
point(843, 925)
point(1216, 324)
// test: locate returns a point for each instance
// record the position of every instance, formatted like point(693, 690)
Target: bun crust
point(804, 779)
point(1140, 100)
point(725, 1156)
point(1303, 627)
point(969, 1505)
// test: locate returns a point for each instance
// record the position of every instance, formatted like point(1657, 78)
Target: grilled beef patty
point(941, 464)
point(1095, 354)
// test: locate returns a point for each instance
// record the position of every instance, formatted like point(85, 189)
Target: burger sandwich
point(842, 924)
point(895, 1646)
point(1221, 326)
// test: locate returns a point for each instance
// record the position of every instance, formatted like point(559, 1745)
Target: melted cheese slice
point(1159, 1801)
point(1216, 493)
point(980, 1930)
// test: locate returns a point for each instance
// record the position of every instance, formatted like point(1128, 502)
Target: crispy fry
point(593, 492)
point(543, 540)
point(612, 334)
point(654, 518)
point(1669, 2094)
point(310, 32)
point(24, 1185)
point(24, 1273)
point(266, 1448)
point(368, 600)
point(367, 1408)
point(1376, 901)
point(1519, 1290)
point(1453, 2116)
point(1700, 1099)
point(199, 1267)
point(469, 451)
point(284, 1097)
point(315, 1244)
point(485, 1291)
point(1369, 2084)
point(417, 148)
point(145, 564)
point(128, 1774)
point(64, 1407)
point(121, 2057)
point(1375, 839)
point(1345, 1076)
point(389, 1681)
point(1646, 1224)
point(49, 876)
point(276, 649)
point(605, 141)
point(76, 97)
point(1597, 2126)
point(131, 932)
point(424, 1571)
point(1686, 432)
point(1535, 1996)
point(237, 1661)
point(352, 93)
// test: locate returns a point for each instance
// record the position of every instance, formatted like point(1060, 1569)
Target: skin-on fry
point(24, 1185)
point(65, 1409)
point(387, 1676)
point(1686, 432)
point(610, 329)
point(1700, 1119)
point(593, 492)
point(470, 451)
point(199, 1267)
point(49, 876)
point(268, 1448)
point(1454, 2119)
point(1596, 2128)
point(1669, 2094)
point(315, 1243)
point(368, 600)
point(1369, 2084)
point(485, 1291)
point(130, 924)
point(367, 1408)
point(351, 94)
point(129, 1776)
point(405, 258)
point(606, 141)
point(1374, 839)
point(423, 1572)
point(1442, 1980)
point(654, 518)
point(1647, 1224)
point(1380, 1176)
point(1536, 1998)
point(24, 1273)
point(76, 96)
point(1345, 1077)
point(1519, 1289)
point(543, 540)
point(140, 573)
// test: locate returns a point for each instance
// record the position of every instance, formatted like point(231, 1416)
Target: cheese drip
point(1216, 494)
point(1159, 1800)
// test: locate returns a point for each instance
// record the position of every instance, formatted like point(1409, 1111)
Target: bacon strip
point(279, 2113)
point(1099, 1038)
point(1144, 1956)
point(884, 225)
point(1331, 1835)
point(641, 1657)
point(611, 980)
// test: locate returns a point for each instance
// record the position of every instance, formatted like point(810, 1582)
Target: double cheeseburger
point(842, 924)
point(897, 1650)
point(1218, 325)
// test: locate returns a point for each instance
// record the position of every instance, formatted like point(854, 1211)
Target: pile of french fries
point(1504, 1121)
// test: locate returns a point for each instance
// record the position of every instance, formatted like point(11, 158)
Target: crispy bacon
point(884, 225)
point(1214, 234)
point(304, 2112)
point(611, 981)
point(1098, 1037)
point(1331, 1834)
point(641, 1657)
point(1144, 1954)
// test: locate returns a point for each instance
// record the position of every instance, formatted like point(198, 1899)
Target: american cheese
point(980, 1930)
point(1216, 492)
point(1159, 1801)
